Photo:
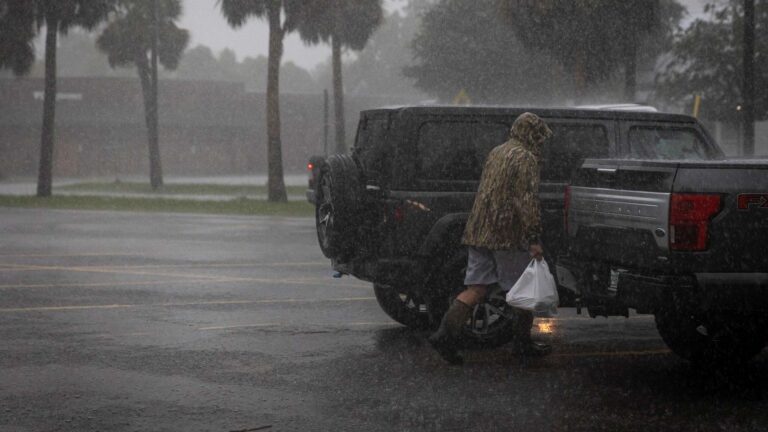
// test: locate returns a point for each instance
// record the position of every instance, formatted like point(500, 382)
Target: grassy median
point(175, 188)
point(238, 206)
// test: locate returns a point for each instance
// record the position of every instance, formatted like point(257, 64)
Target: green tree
point(343, 24)
point(281, 15)
point(464, 45)
point(377, 70)
point(20, 22)
point(199, 63)
point(77, 57)
point(228, 65)
point(129, 40)
point(707, 60)
point(592, 38)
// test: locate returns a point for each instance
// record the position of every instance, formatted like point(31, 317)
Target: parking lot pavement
point(128, 321)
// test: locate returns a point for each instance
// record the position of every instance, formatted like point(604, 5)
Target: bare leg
point(473, 295)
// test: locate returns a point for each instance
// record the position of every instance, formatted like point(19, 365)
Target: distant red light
point(310, 166)
point(398, 214)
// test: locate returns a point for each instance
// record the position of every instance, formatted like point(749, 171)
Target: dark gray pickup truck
point(682, 239)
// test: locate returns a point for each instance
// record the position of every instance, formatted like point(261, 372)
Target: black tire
point(493, 323)
point(337, 206)
point(713, 337)
point(402, 306)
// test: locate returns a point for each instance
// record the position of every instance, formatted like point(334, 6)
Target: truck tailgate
point(625, 213)
point(618, 212)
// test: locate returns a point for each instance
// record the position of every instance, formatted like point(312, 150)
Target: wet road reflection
point(177, 331)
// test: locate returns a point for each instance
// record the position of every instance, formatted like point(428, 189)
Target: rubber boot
point(446, 340)
point(525, 345)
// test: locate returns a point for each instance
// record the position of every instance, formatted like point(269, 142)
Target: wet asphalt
point(161, 322)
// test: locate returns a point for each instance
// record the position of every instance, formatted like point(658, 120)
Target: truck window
point(371, 145)
point(456, 150)
point(570, 144)
point(656, 142)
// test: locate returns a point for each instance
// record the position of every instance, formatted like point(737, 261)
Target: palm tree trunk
point(275, 183)
point(338, 96)
point(580, 75)
point(155, 167)
point(150, 117)
point(630, 73)
point(45, 171)
point(748, 85)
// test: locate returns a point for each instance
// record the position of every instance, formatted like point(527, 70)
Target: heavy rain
point(383, 215)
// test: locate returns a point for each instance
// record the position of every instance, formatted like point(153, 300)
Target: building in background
point(206, 128)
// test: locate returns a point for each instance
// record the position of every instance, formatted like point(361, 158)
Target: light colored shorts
point(486, 267)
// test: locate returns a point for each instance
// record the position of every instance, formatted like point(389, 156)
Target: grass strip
point(175, 188)
point(238, 206)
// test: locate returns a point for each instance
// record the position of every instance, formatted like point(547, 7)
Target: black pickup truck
point(684, 240)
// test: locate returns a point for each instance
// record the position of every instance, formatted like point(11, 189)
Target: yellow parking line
point(352, 324)
point(108, 284)
point(241, 326)
point(588, 318)
point(613, 353)
point(224, 265)
point(181, 304)
point(23, 267)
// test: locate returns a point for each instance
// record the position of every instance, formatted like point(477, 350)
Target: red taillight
point(689, 216)
point(398, 214)
point(310, 166)
point(566, 205)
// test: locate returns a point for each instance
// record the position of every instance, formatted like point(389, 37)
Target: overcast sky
point(208, 27)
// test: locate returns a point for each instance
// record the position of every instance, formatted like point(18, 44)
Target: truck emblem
point(747, 201)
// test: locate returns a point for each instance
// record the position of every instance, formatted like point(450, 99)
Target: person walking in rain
point(502, 234)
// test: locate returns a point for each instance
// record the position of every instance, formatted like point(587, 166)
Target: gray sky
point(208, 27)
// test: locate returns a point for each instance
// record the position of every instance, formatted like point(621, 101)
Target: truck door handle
point(606, 170)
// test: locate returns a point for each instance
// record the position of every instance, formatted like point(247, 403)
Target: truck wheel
point(493, 323)
point(711, 338)
point(338, 195)
point(402, 306)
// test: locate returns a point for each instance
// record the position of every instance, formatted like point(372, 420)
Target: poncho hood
point(530, 131)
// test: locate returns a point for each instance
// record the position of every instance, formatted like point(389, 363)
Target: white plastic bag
point(535, 291)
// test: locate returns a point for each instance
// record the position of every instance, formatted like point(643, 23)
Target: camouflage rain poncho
point(507, 214)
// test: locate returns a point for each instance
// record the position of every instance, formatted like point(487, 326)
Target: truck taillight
point(689, 216)
point(566, 206)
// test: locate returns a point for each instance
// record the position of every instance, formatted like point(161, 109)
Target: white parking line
point(181, 304)
point(225, 280)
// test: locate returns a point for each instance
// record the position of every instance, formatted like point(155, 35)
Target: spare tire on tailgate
point(338, 206)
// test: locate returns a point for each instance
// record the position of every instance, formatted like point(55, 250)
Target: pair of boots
point(447, 339)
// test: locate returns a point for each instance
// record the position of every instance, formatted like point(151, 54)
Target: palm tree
point(130, 40)
point(281, 16)
point(592, 38)
point(343, 23)
point(20, 22)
